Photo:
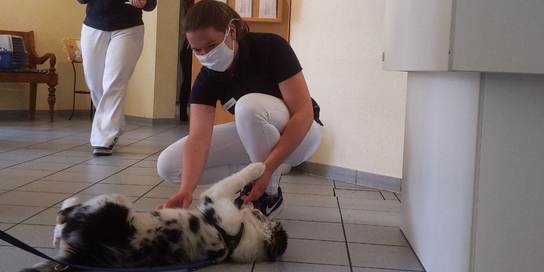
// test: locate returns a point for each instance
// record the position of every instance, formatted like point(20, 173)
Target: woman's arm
point(197, 145)
point(195, 154)
point(297, 98)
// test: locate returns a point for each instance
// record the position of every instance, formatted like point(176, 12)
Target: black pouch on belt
point(316, 112)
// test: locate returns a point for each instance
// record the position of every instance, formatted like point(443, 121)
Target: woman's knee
point(169, 162)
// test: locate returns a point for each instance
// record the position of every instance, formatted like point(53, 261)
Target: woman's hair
point(215, 14)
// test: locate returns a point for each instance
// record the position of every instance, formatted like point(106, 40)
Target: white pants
point(259, 122)
point(109, 58)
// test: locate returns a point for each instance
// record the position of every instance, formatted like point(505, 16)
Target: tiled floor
point(332, 226)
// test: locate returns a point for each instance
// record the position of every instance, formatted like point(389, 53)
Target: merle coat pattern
point(106, 232)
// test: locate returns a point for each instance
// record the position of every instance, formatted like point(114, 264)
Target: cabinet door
point(499, 36)
point(417, 35)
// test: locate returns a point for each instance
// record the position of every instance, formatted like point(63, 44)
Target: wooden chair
point(32, 75)
point(73, 52)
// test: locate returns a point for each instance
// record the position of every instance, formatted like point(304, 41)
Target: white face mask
point(220, 58)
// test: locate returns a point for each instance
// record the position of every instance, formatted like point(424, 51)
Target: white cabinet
point(464, 35)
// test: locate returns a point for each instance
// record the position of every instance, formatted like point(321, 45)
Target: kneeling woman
point(258, 78)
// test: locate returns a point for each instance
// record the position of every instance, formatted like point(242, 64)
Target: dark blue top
point(111, 15)
point(264, 60)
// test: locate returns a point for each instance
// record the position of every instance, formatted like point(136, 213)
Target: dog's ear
point(67, 206)
point(276, 246)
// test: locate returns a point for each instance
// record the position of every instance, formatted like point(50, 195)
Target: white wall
point(340, 44)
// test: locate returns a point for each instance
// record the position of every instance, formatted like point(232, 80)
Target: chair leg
point(91, 113)
point(51, 99)
point(32, 101)
point(73, 105)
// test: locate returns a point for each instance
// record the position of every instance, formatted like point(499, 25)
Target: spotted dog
point(106, 232)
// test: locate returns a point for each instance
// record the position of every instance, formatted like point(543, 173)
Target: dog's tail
point(234, 183)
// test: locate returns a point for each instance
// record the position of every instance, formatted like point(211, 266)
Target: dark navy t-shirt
point(264, 60)
point(111, 15)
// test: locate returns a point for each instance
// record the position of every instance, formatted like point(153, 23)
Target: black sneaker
point(269, 205)
point(104, 151)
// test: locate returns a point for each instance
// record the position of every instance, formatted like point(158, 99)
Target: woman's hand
point(258, 189)
point(137, 3)
point(182, 199)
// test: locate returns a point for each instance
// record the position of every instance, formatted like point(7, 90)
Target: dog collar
point(231, 241)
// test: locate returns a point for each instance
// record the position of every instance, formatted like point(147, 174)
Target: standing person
point(112, 39)
point(258, 78)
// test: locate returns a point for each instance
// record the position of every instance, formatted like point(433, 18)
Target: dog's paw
point(256, 169)
point(56, 235)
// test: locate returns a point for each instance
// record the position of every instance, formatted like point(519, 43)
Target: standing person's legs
point(94, 45)
point(226, 156)
point(123, 52)
point(260, 120)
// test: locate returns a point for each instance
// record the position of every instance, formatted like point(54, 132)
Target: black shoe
point(269, 205)
point(104, 151)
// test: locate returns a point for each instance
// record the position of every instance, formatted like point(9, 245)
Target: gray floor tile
point(377, 256)
point(363, 269)
point(34, 235)
point(14, 259)
point(4, 164)
point(105, 170)
point(310, 200)
point(140, 171)
point(111, 161)
point(127, 190)
point(314, 230)
point(147, 164)
point(372, 205)
point(305, 179)
point(292, 188)
point(228, 267)
point(145, 204)
point(389, 195)
point(12, 182)
point(399, 196)
point(298, 267)
point(85, 197)
point(53, 187)
point(371, 217)
point(316, 252)
point(61, 159)
point(351, 186)
point(4, 226)
point(375, 235)
point(76, 154)
point(318, 214)
point(372, 195)
point(46, 217)
point(130, 156)
point(31, 198)
point(25, 173)
point(77, 177)
point(162, 192)
point(132, 179)
point(43, 166)
point(16, 214)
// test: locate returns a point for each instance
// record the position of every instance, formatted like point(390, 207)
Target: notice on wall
point(267, 8)
point(244, 7)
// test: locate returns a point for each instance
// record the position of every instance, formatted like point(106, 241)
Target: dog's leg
point(234, 183)
point(67, 206)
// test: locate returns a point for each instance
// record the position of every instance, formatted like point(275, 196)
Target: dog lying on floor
point(106, 232)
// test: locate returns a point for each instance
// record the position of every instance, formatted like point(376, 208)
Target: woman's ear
point(233, 30)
